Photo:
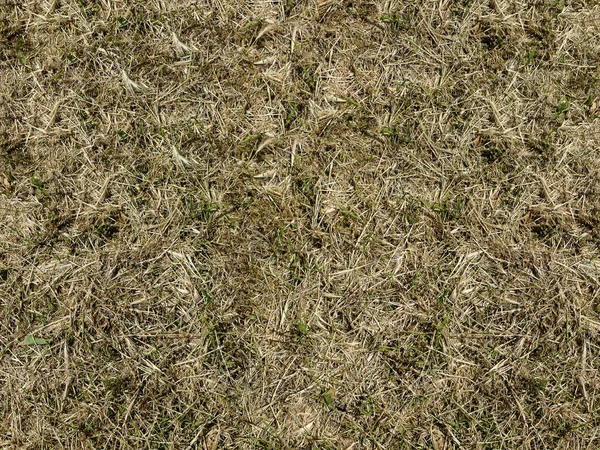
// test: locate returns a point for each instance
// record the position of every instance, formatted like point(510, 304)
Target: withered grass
point(299, 224)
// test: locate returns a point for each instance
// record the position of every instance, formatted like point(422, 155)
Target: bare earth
point(299, 224)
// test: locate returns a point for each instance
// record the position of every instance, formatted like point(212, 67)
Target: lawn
point(299, 224)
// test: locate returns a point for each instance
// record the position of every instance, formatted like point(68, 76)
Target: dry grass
point(299, 224)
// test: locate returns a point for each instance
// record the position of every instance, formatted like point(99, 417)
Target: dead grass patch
point(299, 224)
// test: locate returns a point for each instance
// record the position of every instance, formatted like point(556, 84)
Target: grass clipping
point(299, 224)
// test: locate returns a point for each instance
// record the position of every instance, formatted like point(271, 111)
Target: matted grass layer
point(299, 224)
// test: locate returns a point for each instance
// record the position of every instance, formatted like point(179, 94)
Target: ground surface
point(299, 224)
